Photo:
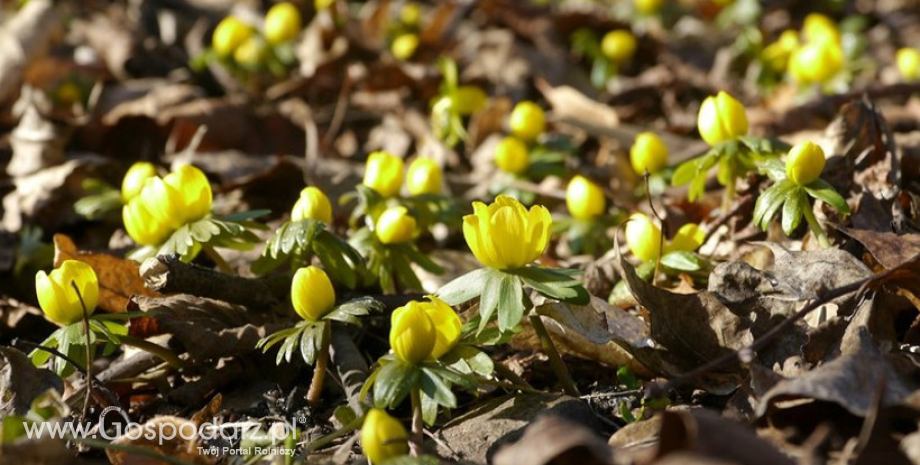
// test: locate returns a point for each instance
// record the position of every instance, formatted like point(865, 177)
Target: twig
point(660, 389)
point(89, 354)
point(606, 395)
point(161, 352)
point(169, 275)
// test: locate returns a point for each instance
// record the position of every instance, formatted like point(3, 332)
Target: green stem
point(89, 353)
point(555, 360)
point(162, 352)
point(728, 197)
point(418, 422)
point(222, 264)
point(516, 381)
point(815, 226)
point(319, 371)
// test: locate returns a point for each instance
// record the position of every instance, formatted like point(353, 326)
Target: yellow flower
point(649, 152)
point(805, 163)
point(321, 5)
point(820, 28)
point(648, 7)
point(688, 238)
point(229, 35)
point(143, 227)
point(584, 199)
point(410, 14)
point(383, 437)
point(57, 296)
point(384, 173)
point(282, 23)
point(908, 61)
point(527, 121)
point(252, 53)
point(312, 293)
point(312, 204)
point(403, 47)
point(505, 235)
point(643, 237)
point(412, 333)
point(424, 177)
point(466, 100)
point(395, 226)
point(194, 189)
point(134, 179)
point(446, 323)
point(777, 54)
point(511, 155)
point(816, 62)
point(618, 46)
point(721, 118)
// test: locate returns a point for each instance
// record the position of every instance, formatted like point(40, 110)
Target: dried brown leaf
point(555, 440)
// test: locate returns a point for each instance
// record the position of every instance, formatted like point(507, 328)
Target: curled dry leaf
point(21, 382)
point(555, 440)
point(119, 278)
point(710, 436)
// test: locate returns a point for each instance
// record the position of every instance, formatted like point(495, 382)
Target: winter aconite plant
point(313, 299)
point(723, 124)
point(586, 228)
point(792, 185)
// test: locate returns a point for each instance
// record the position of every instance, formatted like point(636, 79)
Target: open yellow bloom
point(505, 235)
point(57, 296)
point(816, 62)
point(721, 118)
point(584, 199)
point(312, 293)
point(643, 237)
point(383, 437)
point(282, 23)
point(135, 178)
point(424, 177)
point(412, 333)
point(805, 163)
point(527, 121)
point(395, 226)
point(312, 204)
point(447, 325)
point(384, 173)
point(777, 54)
point(648, 152)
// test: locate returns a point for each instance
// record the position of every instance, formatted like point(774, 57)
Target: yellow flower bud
point(527, 121)
point(282, 23)
point(648, 7)
point(410, 14)
point(383, 437)
point(584, 198)
point(512, 156)
point(412, 333)
point(648, 152)
point(312, 204)
point(466, 100)
point(820, 28)
point(143, 227)
point(777, 54)
point(404, 46)
point(229, 35)
point(643, 237)
point(721, 118)
point(322, 5)
point(57, 296)
point(618, 46)
point(505, 235)
point(252, 53)
point(688, 238)
point(384, 173)
point(312, 293)
point(908, 61)
point(395, 226)
point(805, 163)
point(135, 178)
point(163, 205)
point(194, 191)
point(446, 323)
point(424, 177)
point(816, 62)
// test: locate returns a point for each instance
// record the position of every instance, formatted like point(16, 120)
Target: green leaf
point(465, 357)
point(764, 145)
point(796, 201)
point(684, 173)
point(491, 293)
point(555, 283)
point(393, 383)
point(436, 388)
point(286, 350)
point(681, 260)
point(822, 190)
point(464, 288)
point(244, 216)
point(770, 202)
point(774, 168)
point(510, 301)
point(349, 311)
point(310, 340)
point(411, 251)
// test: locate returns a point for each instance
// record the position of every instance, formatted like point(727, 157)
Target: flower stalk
point(319, 370)
point(418, 422)
point(555, 360)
